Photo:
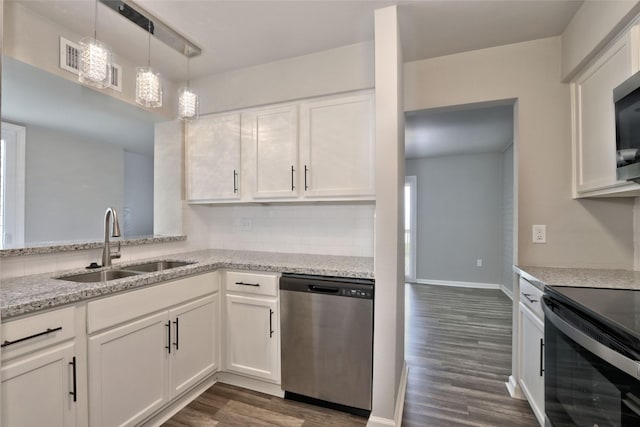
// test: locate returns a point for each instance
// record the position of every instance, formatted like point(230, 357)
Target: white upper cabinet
point(338, 146)
point(274, 135)
point(594, 132)
point(213, 158)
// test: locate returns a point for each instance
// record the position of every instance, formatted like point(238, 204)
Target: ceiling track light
point(94, 66)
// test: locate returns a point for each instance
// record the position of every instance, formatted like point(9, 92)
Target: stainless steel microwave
point(626, 98)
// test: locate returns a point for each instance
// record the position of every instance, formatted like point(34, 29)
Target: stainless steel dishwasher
point(327, 340)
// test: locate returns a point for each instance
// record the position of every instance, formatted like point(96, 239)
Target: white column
point(388, 346)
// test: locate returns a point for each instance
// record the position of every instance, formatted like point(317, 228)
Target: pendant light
point(94, 66)
point(187, 100)
point(148, 85)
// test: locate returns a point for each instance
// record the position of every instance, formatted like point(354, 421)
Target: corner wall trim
point(399, 410)
point(457, 284)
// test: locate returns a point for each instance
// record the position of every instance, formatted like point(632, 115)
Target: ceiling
point(241, 33)
point(464, 130)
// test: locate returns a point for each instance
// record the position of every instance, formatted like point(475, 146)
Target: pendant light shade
point(148, 87)
point(148, 83)
point(94, 65)
point(187, 104)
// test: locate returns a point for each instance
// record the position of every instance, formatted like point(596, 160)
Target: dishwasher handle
point(323, 289)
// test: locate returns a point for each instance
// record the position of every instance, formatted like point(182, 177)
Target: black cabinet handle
point(177, 343)
point(541, 356)
point(306, 169)
point(235, 181)
point(293, 187)
point(248, 284)
point(270, 323)
point(528, 297)
point(168, 346)
point(74, 393)
point(7, 343)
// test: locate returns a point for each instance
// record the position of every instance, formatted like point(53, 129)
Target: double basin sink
point(132, 270)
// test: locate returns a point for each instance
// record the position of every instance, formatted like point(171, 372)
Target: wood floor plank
point(458, 348)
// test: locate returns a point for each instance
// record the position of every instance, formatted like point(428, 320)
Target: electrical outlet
point(479, 262)
point(539, 234)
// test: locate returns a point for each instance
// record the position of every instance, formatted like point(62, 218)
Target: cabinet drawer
point(38, 331)
point(531, 297)
point(253, 283)
point(120, 308)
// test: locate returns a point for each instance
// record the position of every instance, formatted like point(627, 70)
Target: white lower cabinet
point(531, 351)
point(195, 344)
point(128, 372)
point(252, 345)
point(252, 328)
point(42, 371)
point(137, 367)
point(37, 389)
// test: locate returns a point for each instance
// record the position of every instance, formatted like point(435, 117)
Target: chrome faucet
point(107, 256)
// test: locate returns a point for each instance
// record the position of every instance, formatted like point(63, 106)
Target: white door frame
point(412, 182)
point(14, 163)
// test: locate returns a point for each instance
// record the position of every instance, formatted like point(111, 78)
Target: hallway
point(458, 349)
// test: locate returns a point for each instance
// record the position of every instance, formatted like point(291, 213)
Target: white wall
point(70, 181)
point(580, 233)
point(594, 25)
point(137, 214)
point(459, 217)
point(337, 70)
point(507, 218)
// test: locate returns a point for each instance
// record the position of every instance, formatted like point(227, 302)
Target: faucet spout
point(107, 256)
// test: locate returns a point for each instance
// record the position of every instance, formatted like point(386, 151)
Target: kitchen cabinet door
point(252, 337)
point(338, 146)
point(213, 158)
point(36, 389)
point(274, 133)
point(128, 371)
point(194, 342)
point(532, 364)
point(594, 133)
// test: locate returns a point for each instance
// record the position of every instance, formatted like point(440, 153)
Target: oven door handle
point(629, 366)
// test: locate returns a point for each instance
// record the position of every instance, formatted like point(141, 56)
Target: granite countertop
point(580, 277)
point(27, 294)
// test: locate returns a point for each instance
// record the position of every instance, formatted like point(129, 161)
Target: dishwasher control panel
point(356, 293)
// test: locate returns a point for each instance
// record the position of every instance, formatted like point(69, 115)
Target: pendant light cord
point(95, 21)
point(188, 71)
point(149, 55)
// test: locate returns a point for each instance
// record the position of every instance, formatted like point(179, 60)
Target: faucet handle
point(117, 253)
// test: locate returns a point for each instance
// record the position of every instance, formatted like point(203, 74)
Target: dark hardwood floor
point(458, 348)
point(459, 356)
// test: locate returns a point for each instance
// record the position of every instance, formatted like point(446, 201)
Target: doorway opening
point(12, 185)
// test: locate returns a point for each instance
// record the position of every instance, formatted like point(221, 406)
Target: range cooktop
point(620, 308)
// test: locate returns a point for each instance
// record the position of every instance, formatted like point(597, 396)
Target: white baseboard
point(175, 407)
point(508, 292)
point(399, 409)
point(251, 384)
point(458, 284)
point(514, 388)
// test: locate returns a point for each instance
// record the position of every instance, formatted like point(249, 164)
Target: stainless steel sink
point(99, 276)
point(150, 267)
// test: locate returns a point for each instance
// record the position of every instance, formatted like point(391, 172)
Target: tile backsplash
point(328, 229)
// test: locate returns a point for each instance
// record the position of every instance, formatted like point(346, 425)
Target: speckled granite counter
point(27, 294)
point(580, 277)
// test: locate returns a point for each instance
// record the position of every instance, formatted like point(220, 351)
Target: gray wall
point(459, 217)
point(507, 218)
point(138, 195)
point(70, 181)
